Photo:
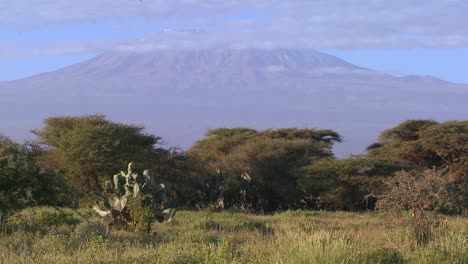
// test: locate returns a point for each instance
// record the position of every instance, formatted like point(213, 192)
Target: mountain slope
point(178, 94)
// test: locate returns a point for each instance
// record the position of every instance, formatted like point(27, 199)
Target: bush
point(42, 219)
point(423, 193)
point(24, 183)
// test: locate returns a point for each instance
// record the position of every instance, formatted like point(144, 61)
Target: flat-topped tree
point(259, 170)
point(87, 148)
point(403, 142)
point(427, 144)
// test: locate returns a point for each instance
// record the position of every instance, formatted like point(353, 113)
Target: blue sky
point(399, 37)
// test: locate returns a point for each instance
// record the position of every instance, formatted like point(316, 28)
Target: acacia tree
point(89, 148)
point(349, 183)
point(260, 170)
point(219, 142)
point(427, 144)
point(269, 169)
point(403, 142)
point(449, 142)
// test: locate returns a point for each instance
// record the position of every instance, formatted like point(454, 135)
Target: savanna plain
point(55, 235)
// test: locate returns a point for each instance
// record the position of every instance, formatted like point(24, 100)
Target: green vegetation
point(346, 183)
point(245, 196)
point(134, 200)
point(234, 237)
point(427, 144)
point(23, 182)
point(259, 171)
point(89, 148)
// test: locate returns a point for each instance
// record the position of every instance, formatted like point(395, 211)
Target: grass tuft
point(231, 237)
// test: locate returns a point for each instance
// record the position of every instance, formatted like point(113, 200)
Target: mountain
point(179, 94)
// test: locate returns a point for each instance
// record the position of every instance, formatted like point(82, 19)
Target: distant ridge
point(178, 94)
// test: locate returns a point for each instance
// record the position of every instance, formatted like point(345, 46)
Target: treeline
point(254, 170)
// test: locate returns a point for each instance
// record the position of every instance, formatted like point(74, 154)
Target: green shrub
point(42, 219)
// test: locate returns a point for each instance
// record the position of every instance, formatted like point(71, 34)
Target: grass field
point(45, 235)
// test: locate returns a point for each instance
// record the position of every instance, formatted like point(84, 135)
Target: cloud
point(9, 50)
point(320, 24)
point(275, 68)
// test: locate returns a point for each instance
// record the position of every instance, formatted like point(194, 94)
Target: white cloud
point(317, 24)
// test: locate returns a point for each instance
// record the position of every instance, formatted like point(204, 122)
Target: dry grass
point(232, 237)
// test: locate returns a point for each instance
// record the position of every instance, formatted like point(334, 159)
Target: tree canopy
point(403, 143)
point(231, 167)
point(345, 183)
point(90, 148)
point(259, 170)
point(427, 144)
point(23, 182)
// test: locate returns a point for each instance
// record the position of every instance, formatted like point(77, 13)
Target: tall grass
point(232, 237)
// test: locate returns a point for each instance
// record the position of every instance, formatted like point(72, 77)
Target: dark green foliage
point(88, 148)
point(267, 171)
point(183, 176)
point(22, 181)
point(326, 137)
point(241, 168)
point(259, 170)
point(347, 183)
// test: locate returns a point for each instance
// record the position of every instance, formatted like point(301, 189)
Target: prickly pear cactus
point(135, 200)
